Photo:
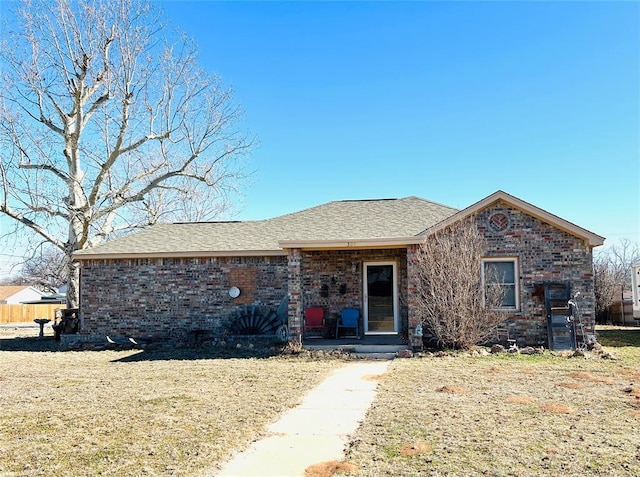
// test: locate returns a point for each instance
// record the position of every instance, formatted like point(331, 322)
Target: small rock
point(497, 348)
point(404, 353)
point(513, 350)
point(607, 355)
point(528, 350)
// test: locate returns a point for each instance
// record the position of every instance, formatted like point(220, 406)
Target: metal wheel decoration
point(282, 333)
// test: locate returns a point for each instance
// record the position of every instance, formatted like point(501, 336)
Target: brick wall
point(333, 279)
point(545, 254)
point(151, 298)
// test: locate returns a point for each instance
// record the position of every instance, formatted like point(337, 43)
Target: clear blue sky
point(449, 101)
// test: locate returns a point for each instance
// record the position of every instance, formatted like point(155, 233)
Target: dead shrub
point(458, 310)
point(330, 468)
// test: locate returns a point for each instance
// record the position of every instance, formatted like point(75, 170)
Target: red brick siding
point(150, 297)
point(341, 274)
point(545, 254)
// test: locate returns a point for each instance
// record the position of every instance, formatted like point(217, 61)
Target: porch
point(371, 346)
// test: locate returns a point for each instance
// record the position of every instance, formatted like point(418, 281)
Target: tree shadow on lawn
point(31, 344)
point(202, 352)
point(49, 344)
point(618, 337)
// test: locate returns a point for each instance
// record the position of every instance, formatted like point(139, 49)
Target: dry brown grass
point(107, 413)
point(571, 385)
point(557, 408)
point(588, 377)
point(526, 400)
point(417, 448)
point(117, 413)
point(514, 419)
point(329, 469)
point(453, 390)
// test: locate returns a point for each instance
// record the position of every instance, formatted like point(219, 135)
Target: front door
point(380, 298)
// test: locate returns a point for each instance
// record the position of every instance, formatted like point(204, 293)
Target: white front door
point(380, 298)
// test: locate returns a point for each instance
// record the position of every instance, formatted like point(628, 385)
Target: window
point(502, 272)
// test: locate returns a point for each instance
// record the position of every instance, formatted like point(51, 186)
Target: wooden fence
point(27, 313)
point(621, 313)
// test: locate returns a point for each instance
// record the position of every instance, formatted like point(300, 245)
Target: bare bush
point(612, 274)
point(453, 305)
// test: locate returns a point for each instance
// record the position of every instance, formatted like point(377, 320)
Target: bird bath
point(41, 322)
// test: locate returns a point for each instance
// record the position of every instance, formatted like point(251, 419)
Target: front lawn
point(506, 416)
point(134, 413)
point(126, 413)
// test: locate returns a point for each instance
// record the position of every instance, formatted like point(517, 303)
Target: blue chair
point(349, 318)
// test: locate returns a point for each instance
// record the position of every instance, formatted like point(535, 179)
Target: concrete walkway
point(317, 430)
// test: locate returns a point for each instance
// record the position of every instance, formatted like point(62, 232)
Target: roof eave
point(181, 254)
point(395, 242)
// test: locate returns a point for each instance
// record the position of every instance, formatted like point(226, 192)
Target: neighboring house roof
point(339, 224)
point(383, 220)
point(13, 294)
point(590, 238)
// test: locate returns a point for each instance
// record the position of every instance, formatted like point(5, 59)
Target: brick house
point(196, 276)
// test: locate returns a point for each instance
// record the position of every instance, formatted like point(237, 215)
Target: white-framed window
point(502, 271)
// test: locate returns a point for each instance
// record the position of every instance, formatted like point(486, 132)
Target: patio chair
point(314, 320)
point(504, 336)
point(349, 318)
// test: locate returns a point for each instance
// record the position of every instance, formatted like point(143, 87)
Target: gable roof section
point(377, 222)
point(590, 238)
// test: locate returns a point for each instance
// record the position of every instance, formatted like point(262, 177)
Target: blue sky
point(449, 101)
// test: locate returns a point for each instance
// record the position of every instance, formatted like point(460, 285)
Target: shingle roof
point(347, 220)
point(7, 291)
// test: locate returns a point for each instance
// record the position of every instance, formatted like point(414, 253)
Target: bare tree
point(45, 269)
point(455, 305)
point(107, 124)
point(612, 274)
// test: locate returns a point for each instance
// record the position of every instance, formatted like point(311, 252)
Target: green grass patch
point(618, 337)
